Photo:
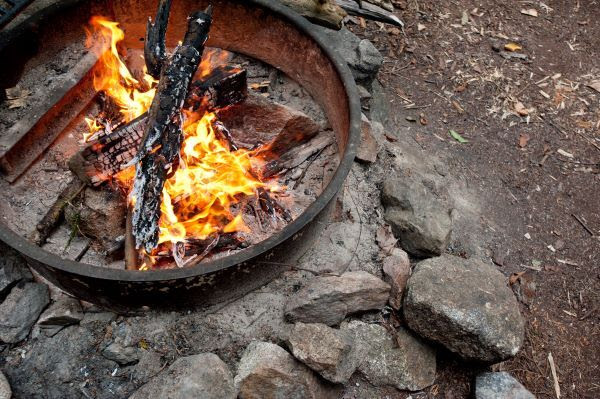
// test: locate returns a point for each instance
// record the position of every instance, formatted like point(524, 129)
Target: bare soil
point(532, 156)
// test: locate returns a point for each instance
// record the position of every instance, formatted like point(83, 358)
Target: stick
point(56, 212)
point(159, 149)
point(554, 376)
point(583, 224)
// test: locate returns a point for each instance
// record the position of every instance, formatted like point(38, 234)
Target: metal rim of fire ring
point(33, 251)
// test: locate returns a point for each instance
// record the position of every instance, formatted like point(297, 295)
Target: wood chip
point(512, 47)
point(523, 139)
point(564, 153)
point(532, 12)
point(554, 376)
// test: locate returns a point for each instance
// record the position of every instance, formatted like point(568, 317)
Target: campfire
point(161, 139)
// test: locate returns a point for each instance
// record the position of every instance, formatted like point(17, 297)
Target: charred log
point(155, 51)
point(110, 152)
point(159, 149)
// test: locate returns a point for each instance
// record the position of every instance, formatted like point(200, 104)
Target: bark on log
point(108, 154)
point(323, 12)
point(159, 149)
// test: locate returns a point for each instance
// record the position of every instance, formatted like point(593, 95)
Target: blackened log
point(159, 149)
point(110, 152)
point(155, 51)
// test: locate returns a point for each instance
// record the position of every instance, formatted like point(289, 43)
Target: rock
point(404, 361)
point(367, 152)
point(396, 268)
point(268, 371)
point(328, 299)
point(5, 391)
point(149, 365)
point(97, 318)
point(363, 93)
point(421, 221)
point(325, 350)
point(20, 310)
point(64, 312)
point(123, 355)
point(361, 56)
point(99, 214)
point(203, 376)
point(500, 385)
point(258, 120)
point(13, 269)
point(465, 305)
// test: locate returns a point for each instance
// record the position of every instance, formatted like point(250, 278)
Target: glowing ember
point(198, 199)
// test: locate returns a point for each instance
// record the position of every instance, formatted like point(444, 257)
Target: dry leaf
point(595, 84)
point(16, 97)
point(420, 27)
point(520, 109)
point(385, 239)
point(458, 107)
point(532, 12)
point(512, 47)
point(515, 277)
point(523, 139)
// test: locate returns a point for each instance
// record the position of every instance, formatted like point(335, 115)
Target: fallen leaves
point(16, 97)
point(458, 137)
point(523, 140)
point(521, 109)
point(532, 12)
point(512, 47)
point(595, 84)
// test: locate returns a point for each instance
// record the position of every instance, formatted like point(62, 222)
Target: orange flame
point(197, 199)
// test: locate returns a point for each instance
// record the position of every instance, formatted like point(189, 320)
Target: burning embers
point(187, 181)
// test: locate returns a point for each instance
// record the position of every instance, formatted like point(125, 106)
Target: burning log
point(159, 149)
point(110, 152)
point(155, 51)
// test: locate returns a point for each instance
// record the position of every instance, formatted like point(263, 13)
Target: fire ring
point(269, 32)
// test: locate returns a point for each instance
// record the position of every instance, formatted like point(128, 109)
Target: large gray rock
point(64, 312)
point(5, 391)
point(328, 299)
point(361, 55)
point(401, 361)
point(20, 310)
point(327, 351)
point(202, 376)
point(396, 268)
point(420, 220)
point(500, 385)
point(12, 269)
point(268, 371)
point(465, 305)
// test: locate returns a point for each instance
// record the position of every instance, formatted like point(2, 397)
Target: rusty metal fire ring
point(280, 38)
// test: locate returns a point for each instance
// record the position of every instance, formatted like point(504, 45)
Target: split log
point(110, 152)
point(159, 149)
point(322, 12)
point(370, 11)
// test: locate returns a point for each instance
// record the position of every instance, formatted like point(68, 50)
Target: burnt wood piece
point(155, 50)
point(131, 254)
point(200, 248)
point(110, 152)
point(55, 214)
point(159, 149)
point(271, 206)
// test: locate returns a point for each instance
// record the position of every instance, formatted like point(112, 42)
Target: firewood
point(322, 12)
point(55, 214)
point(110, 152)
point(159, 149)
point(369, 11)
point(155, 51)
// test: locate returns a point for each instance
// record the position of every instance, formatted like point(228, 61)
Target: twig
point(554, 376)
point(310, 161)
point(588, 314)
point(583, 224)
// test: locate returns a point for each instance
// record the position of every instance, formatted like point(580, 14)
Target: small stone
point(421, 221)
point(367, 152)
point(13, 269)
point(5, 391)
point(325, 350)
point(203, 376)
point(396, 268)
point(123, 355)
point(403, 361)
point(267, 371)
point(328, 299)
point(500, 385)
point(64, 312)
point(20, 310)
point(465, 305)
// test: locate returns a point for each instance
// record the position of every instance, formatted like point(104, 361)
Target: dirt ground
point(532, 154)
